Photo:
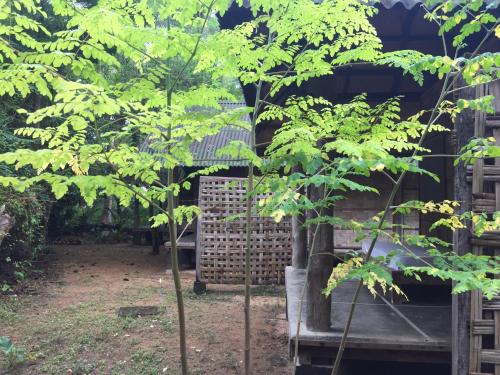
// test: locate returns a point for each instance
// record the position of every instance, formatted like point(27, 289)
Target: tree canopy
point(91, 80)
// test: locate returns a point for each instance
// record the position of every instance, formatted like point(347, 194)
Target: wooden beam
point(464, 131)
point(318, 310)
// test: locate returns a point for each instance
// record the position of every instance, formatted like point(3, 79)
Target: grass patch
point(168, 326)
point(144, 362)
point(76, 338)
point(213, 297)
point(8, 311)
point(134, 294)
point(208, 297)
point(268, 291)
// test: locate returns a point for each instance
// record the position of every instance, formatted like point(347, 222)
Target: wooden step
point(490, 356)
point(483, 327)
point(487, 196)
point(493, 304)
point(484, 202)
point(491, 173)
point(490, 235)
point(493, 123)
point(487, 178)
point(484, 205)
point(488, 170)
point(485, 242)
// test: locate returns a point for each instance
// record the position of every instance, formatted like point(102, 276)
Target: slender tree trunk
point(248, 250)
point(172, 228)
point(248, 281)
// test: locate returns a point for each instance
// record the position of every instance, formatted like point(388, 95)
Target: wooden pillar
point(318, 310)
point(299, 242)
point(299, 239)
point(137, 235)
point(155, 240)
point(137, 215)
point(461, 307)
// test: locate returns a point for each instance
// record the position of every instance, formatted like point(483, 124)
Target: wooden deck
point(379, 331)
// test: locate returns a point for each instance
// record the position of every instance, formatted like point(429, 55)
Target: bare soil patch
point(69, 323)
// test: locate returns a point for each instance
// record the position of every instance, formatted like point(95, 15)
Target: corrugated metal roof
point(408, 4)
point(388, 4)
point(204, 151)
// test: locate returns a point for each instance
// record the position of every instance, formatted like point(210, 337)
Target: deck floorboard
point(375, 324)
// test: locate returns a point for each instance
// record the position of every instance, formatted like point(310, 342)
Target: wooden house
point(434, 333)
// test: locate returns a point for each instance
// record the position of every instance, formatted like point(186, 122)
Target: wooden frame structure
point(470, 345)
point(485, 179)
point(380, 331)
point(221, 237)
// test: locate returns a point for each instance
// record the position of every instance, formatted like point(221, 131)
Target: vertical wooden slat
point(476, 341)
point(496, 313)
point(464, 131)
point(479, 127)
point(198, 246)
point(497, 337)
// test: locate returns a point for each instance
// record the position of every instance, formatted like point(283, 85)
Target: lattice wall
point(485, 177)
point(221, 243)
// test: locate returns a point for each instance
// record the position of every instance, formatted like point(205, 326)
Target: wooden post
point(137, 236)
point(299, 242)
point(318, 305)
point(155, 241)
point(461, 307)
point(137, 217)
point(199, 286)
point(299, 238)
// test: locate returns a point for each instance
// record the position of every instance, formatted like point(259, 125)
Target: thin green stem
point(172, 228)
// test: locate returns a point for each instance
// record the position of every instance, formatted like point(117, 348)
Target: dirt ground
point(67, 321)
